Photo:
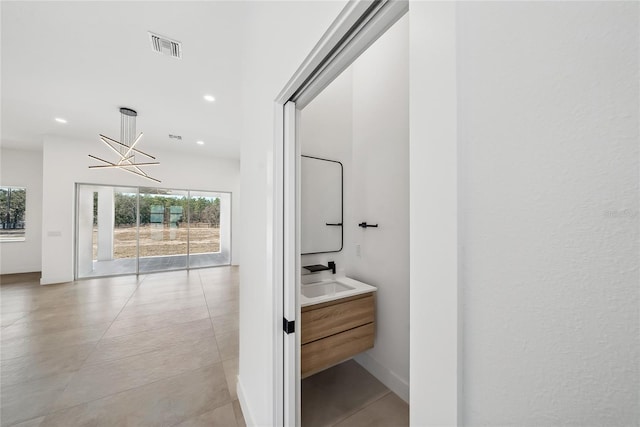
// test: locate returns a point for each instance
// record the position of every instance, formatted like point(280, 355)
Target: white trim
point(368, 30)
point(246, 413)
point(386, 376)
point(277, 267)
point(357, 26)
point(291, 266)
point(338, 29)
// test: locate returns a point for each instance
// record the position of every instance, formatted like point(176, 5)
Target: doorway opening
point(369, 173)
point(354, 353)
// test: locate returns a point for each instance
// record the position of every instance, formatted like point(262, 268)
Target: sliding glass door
point(122, 230)
point(163, 230)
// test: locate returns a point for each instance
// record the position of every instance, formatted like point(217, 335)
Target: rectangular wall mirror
point(321, 205)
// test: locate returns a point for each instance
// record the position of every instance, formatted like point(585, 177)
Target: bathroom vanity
point(338, 322)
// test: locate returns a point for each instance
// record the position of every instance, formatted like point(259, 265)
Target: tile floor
point(154, 350)
point(347, 395)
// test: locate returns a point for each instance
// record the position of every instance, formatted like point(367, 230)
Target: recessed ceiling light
point(209, 98)
point(200, 142)
point(59, 120)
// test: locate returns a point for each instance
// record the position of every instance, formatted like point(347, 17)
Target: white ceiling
point(83, 60)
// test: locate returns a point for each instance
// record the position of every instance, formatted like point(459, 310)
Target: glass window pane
point(210, 227)
point(13, 207)
point(106, 230)
point(163, 229)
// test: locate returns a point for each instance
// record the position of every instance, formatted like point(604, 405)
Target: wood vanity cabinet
point(335, 331)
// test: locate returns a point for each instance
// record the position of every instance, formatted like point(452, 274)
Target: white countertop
point(357, 288)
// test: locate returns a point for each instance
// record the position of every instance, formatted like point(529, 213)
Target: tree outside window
point(13, 203)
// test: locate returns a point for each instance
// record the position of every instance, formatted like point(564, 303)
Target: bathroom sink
point(324, 289)
point(331, 290)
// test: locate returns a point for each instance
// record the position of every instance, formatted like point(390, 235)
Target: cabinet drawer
point(331, 319)
point(329, 351)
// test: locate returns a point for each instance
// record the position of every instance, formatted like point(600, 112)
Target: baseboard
point(387, 377)
point(49, 281)
point(20, 273)
point(248, 418)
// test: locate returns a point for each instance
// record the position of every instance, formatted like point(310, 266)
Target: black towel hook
point(365, 225)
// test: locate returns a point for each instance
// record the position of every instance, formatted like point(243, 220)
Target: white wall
point(433, 215)
point(544, 98)
point(548, 121)
point(379, 194)
point(326, 131)
point(65, 163)
point(23, 169)
point(277, 37)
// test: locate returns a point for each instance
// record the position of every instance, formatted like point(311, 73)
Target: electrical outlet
point(358, 252)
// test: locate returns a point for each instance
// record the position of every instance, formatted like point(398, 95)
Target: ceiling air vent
point(165, 46)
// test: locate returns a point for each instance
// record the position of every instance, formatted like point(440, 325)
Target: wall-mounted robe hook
point(365, 225)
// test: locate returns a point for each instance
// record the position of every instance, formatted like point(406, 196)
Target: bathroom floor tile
point(389, 411)
point(223, 416)
point(337, 393)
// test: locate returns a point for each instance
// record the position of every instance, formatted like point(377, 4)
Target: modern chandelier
point(125, 148)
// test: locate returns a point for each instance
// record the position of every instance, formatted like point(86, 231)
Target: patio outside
point(203, 238)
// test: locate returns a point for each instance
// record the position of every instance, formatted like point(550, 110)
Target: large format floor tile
point(228, 345)
point(226, 323)
point(38, 365)
point(347, 395)
point(166, 402)
point(51, 342)
point(31, 399)
point(154, 350)
point(94, 381)
point(389, 411)
point(153, 340)
point(146, 322)
point(159, 307)
point(219, 417)
point(34, 422)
